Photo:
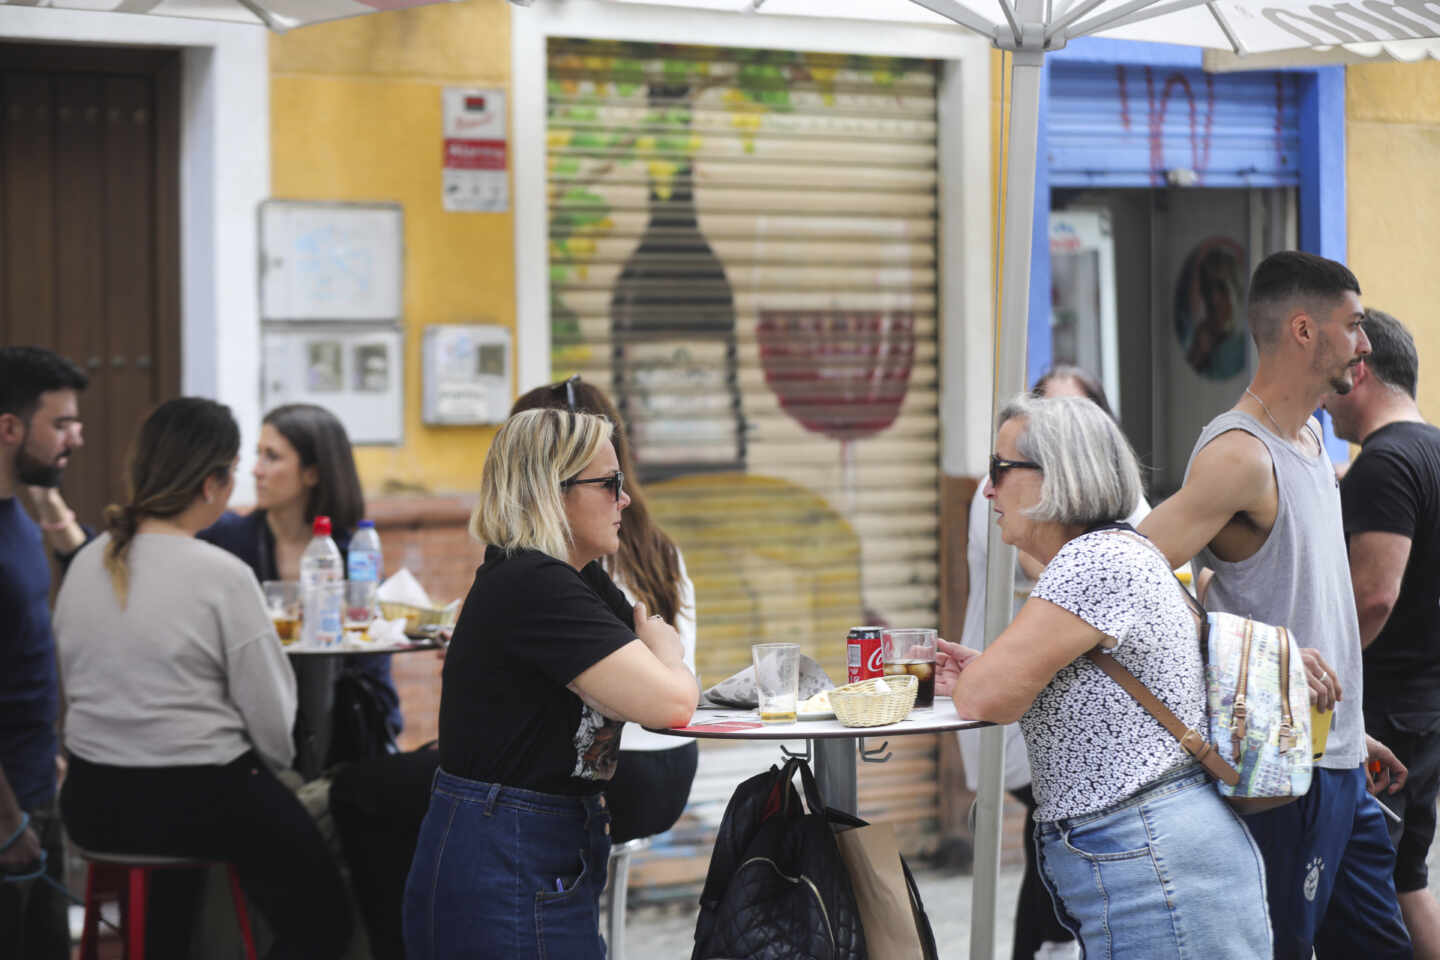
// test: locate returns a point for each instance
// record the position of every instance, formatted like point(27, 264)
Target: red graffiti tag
point(1124, 96)
point(1199, 139)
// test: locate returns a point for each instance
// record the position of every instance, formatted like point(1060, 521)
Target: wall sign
point(465, 374)
point(476, 155)
point(331, 261)
point(355, 372)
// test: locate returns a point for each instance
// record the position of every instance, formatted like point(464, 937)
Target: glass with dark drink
point(912, 651)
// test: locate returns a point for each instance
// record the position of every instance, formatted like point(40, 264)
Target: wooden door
point(89, 246)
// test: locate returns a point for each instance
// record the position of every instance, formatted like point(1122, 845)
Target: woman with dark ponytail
point(179, 702)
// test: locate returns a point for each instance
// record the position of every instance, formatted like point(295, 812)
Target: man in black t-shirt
point(1391, 502)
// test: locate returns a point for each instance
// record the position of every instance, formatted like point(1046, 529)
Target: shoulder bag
point(1257, 705)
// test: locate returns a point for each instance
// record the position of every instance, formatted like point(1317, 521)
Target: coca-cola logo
point(876, 664)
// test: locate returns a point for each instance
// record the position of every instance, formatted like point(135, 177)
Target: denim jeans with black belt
point(508, 874)
point(1170, 872)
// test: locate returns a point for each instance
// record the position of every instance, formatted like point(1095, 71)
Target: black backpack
point(777, 888)
point(361, 719)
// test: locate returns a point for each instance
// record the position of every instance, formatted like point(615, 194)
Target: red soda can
point(863, 659)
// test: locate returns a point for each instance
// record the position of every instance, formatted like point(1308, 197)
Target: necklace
point(1278, 429)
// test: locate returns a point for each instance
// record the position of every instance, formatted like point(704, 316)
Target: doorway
point(89, 235)
point(1182, 260)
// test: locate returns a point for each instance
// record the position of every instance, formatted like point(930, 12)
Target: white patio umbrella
point(1398, 51)
point(278, 15)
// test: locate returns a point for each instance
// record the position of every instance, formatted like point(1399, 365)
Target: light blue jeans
point(1169, 872)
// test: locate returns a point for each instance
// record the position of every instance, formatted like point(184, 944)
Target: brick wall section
point(428, 535)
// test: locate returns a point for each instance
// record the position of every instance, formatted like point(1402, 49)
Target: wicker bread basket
point(858, 705)
point(417, 619)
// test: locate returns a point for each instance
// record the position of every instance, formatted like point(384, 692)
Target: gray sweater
point(188, 672)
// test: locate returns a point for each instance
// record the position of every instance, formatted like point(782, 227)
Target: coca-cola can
point(863, 659)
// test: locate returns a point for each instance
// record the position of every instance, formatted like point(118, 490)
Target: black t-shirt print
point(1394, 487)
point(530, 625)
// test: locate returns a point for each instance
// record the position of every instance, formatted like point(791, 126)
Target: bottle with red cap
point(323, 609)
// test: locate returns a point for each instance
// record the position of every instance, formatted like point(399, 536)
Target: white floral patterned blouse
point(1091, 745)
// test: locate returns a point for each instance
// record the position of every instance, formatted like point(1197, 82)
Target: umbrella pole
point(1026, 75)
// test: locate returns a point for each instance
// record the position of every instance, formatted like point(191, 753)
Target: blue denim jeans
point(1169, 872)
point(506, 874)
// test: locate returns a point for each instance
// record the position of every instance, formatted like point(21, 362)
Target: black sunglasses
point(615, 482)
point(999, 466)
point(568, 385)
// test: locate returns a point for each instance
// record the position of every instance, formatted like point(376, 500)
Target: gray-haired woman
point(1141, 855)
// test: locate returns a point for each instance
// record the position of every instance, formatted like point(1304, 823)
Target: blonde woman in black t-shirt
point(547, 661)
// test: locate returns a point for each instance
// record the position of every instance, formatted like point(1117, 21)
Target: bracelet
point(24, 825)
point(58, 525)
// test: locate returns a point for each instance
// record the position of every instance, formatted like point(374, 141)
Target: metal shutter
point(743, 253)
point(1121, 125)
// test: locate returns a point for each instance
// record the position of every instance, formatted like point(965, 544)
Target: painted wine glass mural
point(841, 373)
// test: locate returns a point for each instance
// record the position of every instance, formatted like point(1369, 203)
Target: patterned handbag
point(1257, 705)
point(1259, 709)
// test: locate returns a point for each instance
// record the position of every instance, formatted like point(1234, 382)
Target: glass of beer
point(912, 651)
point(777, 680)
point(282, 599)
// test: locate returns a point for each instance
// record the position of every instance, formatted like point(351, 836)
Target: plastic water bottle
point(320, 564)
point(365, 563)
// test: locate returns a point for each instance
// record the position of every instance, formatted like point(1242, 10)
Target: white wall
point(224, 175)
point(966, 317)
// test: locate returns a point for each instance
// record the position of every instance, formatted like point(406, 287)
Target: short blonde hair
point(522, 505)
point(1089, 473)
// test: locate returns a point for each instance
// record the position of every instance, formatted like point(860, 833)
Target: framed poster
point(331, 261)
point(357, 373)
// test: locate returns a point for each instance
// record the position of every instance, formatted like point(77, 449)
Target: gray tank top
point(1300, 577)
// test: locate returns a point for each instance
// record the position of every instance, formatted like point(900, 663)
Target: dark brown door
point(89, 246)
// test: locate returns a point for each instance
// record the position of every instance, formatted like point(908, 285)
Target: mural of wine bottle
point(672, 320)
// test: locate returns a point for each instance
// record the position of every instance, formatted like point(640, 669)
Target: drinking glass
point(777, 680)
point(282, 600)
point(912, 651)
point(360, 607)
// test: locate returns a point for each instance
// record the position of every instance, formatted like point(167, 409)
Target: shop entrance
point(1168, 337)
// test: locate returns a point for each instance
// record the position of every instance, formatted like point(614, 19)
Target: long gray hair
point(1089, 472)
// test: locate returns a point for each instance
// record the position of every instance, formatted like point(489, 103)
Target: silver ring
point(655, 616)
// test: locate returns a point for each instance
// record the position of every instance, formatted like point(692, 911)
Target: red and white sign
point(476, 153)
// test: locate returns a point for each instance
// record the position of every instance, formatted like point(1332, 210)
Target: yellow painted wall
point(355, 115)
point(1392, 152)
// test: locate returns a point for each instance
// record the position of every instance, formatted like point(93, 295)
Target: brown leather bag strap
point(1193, 743)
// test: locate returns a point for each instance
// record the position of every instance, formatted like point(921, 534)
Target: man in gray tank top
point(1261, 508)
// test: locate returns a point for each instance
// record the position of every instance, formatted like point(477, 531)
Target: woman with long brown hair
point(305, 468)
point(179, 701)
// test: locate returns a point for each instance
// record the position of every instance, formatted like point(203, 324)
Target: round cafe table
point(833, 745)
point(316, 670)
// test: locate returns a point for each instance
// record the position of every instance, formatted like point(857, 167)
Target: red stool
point(126, 878)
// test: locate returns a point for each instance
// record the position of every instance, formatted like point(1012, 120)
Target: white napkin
point(402, 587)
point(387, 632)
